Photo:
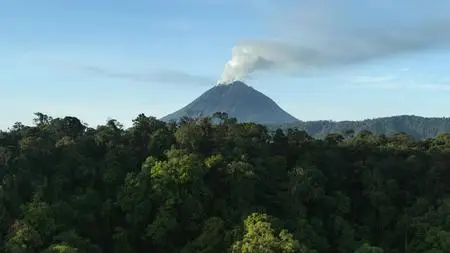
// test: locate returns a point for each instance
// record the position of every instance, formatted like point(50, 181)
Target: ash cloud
point(330, 34)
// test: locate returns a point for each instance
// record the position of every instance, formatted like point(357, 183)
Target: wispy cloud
point(394, 82)
point(445, 80)
point(401, 86)
point(384, 86)
point(373, 79)
point(177, 24)
point(157, 76)
point(73, 64)
point(437, 87)
point(211, 2)
point(404, 69)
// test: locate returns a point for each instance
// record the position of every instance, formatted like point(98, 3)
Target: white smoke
point(328, 35)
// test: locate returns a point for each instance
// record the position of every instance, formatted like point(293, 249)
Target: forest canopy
point(199, 187)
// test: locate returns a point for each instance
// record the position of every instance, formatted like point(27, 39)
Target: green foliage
point(366, 248)
point(213, 185)
point(261, 237)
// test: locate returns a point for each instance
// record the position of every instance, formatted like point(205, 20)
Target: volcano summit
point(238, 100)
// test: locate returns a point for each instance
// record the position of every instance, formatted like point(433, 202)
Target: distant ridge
point(415, 126)
point(238, 100)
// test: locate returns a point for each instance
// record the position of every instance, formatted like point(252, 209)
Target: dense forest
point(415, 126)
point(199, 187)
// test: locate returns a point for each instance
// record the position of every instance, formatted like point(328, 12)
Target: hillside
point(238, 100)
point(415, 126)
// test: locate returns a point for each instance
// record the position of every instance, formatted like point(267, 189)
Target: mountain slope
point(239, 101)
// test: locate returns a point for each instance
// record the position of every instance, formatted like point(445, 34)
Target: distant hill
point(239, 101)
point(415, 126)
point(246, 104)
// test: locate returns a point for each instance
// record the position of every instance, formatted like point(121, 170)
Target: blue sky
point(115, 59)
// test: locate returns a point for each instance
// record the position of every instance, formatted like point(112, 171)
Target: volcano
point(238, 100)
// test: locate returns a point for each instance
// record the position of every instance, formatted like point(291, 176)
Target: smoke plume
point(329, 34)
